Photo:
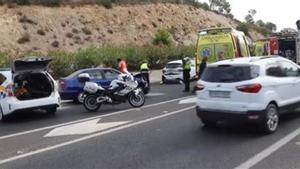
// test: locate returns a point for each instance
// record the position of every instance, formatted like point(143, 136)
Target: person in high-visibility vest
point(144, 68)
point(186, 65)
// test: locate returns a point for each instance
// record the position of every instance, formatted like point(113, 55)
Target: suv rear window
point(230, 74)
point(173, 65)
point(2, 79)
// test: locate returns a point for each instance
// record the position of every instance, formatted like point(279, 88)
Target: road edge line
point(268, 151)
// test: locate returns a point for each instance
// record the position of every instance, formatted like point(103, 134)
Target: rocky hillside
point(40, 29)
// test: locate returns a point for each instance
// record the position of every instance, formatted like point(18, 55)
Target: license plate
point(219, 94)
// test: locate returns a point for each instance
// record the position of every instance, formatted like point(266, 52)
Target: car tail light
point(62, 84)
point(252, 88)
point(199, 87)
point(9, 90)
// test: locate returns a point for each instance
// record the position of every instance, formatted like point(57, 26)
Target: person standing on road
point(201, 69)
point(144, 68)
point(186, 65)
point(122, 66)
point(202, 66)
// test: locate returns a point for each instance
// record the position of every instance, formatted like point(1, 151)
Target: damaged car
point(28, 86)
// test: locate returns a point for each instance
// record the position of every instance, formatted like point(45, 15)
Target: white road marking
point(268, 151)
point(3, 161)
point(82, 120)
point(297, 143)
point(188, 101)
point(155, 94)
point(63, 107)
point(86, 127)
point(66, 101)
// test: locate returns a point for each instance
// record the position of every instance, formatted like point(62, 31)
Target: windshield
point(173, 65)
point(229, 74)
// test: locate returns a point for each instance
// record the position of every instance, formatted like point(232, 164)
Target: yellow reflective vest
point(144, 66)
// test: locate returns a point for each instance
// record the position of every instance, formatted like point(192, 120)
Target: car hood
point(30, 65)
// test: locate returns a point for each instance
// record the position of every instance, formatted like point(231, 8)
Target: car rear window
point(230, 74)
point(173, 65)
point(2, 79)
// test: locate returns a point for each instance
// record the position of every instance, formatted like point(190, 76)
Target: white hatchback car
point(28, 86)
point(173, 71)
point(257, 89)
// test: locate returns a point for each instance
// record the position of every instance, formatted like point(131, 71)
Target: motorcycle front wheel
point(136, 100)
point(90, 103)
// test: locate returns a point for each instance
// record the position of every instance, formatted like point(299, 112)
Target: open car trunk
point(29, 86)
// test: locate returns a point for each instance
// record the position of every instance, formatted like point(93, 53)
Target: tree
point(271, 26)
point(260, 23)
point(243, 27)
point(222, 6)
point(213, 4)
point(249, 17)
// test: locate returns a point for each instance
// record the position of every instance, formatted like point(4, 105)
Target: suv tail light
point(199, 87)
point(252, 88)
point(9, 90)
point(62, 84)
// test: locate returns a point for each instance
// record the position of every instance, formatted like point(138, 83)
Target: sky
point(284, 13)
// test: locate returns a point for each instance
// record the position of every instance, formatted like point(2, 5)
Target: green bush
point(23, 2)
point(4, 60)
point(62, 64)
point(106, 3)
point(243, 27)
point(50, 3)
point(162, 37)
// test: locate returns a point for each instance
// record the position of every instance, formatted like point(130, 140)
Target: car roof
point(257, 60)
point(89, 69)
point(5, 69)
point(180, 61)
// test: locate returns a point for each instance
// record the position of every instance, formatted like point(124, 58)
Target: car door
point(279, 82)
point(109, 75)
point(291, 72)
point(96, 76)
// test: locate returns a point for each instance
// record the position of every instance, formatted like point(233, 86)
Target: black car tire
point(270, 120)
point(51, 111)
point(163, 79)
point(2, 116)
point(208, 122)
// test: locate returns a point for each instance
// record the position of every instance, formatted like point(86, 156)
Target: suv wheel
point(208, 123)
point(271, 119)
point(51, 111)
point(2, 117)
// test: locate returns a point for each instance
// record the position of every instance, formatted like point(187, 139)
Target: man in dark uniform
point(186, 65)
point(202, 66)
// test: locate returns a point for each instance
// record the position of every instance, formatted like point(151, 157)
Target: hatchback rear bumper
point(230, 116)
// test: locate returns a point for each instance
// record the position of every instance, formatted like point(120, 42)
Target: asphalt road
point(163, 134)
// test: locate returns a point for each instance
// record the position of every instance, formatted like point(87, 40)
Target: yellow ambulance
point(221, 43)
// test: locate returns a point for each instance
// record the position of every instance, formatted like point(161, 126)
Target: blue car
point(70, 88)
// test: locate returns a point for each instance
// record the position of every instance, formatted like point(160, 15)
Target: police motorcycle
point(122, 89)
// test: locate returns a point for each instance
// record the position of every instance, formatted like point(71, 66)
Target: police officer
point(186, 65)
point(144, 68)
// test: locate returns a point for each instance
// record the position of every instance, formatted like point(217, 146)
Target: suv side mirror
point(84, 77)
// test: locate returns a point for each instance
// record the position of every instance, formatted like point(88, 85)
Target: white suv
point(173, 71)
point(255, 89)
point(28, 86)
